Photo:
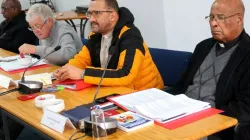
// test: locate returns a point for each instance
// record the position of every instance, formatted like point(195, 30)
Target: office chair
point(170, 63)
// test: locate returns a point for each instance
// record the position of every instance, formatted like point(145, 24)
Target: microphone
point(28, 87)
point(110, 123)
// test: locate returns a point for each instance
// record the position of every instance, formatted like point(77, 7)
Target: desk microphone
point(110, 123)
point(28, 87)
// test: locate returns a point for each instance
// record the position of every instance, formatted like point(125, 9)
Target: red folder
point(22, 70)
point(190, 118)
point(79, 84)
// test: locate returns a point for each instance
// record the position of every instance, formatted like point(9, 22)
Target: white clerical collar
point(222, 45)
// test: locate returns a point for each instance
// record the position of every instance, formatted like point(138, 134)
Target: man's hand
point(68, 72)
point(27, 49)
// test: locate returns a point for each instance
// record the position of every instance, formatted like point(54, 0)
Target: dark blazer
point(15, 33)
point(233, 88)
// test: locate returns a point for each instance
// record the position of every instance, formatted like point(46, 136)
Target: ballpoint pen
point(173, 117)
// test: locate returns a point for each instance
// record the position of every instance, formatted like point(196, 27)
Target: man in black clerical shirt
point(14, 30)
point(219, 69)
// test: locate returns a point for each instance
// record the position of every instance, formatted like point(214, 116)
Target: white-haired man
point(51, 34)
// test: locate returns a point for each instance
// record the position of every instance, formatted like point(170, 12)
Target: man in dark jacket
point(14, 30)
point(219, 70)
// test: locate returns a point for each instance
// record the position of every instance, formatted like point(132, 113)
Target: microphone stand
point(99, 84)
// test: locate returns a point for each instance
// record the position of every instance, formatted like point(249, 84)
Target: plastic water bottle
point(98, 126)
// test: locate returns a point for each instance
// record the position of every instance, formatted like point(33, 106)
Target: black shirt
point(15, 33)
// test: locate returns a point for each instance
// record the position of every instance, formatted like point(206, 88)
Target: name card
point(55, 121)
point(6, 82)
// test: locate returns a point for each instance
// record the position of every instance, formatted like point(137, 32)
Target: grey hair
point(42, 10)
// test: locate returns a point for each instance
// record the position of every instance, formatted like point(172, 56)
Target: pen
point(173, 117)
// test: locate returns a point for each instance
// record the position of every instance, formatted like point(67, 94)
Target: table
point(69, 16)
point(28, 114)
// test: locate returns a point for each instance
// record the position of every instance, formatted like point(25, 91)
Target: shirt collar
point(221, 48)
point(108, 35)
point(230, 44)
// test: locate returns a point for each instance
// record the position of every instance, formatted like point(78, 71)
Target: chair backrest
point(84, 41)
point(171, 64)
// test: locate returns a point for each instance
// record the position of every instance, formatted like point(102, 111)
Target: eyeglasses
point(95, 14)
point(3, 9)
point(219, 17)
point(37, 27)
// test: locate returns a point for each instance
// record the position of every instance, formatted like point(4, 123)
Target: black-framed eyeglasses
point(3, 9)
point(219, 17)
point(95, 13)
point(37, 27)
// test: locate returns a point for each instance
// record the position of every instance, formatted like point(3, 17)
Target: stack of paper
point(159, 105)
point(11, 63)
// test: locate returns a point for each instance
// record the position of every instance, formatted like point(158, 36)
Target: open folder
point(159, 105)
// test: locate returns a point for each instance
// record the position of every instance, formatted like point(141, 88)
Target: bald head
point(227, 19)
point(232, 6)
